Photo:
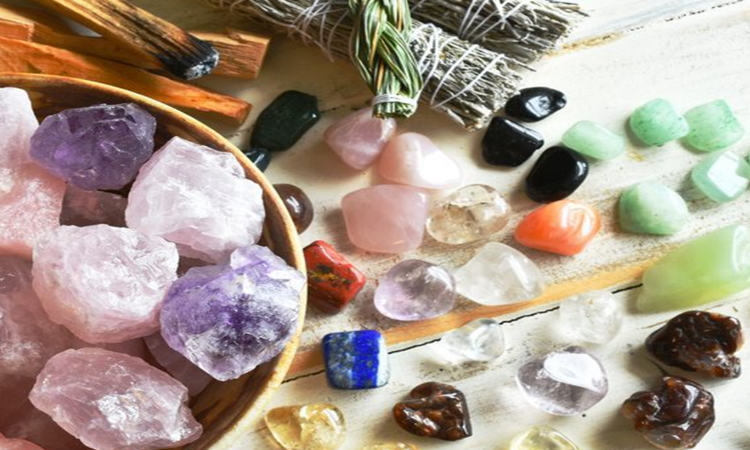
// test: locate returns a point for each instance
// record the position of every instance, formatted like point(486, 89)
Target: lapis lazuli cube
point(356, 359)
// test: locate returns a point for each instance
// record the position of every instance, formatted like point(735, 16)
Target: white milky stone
point(499, 274)
point(592, 317)
point(17, 124)
point(480, 340)
point(197, 198)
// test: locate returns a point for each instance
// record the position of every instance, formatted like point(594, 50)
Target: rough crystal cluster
point(415, 290)
point(177, 365)
point(318, 426)
point(97, 147)
point(105, 284)
point(82, 208)
point(592, 317)
point(359, 137)
point(435, 410)
point(229, 318)
point(480, 340)
point(197, 198)
point(467, 215)
point(17, 124)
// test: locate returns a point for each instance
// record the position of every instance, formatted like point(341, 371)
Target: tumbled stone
point(17, 124)
point(563, 382)
point(480, 340)
point(435, 410)
point(197, 198)
point(113, 401)
point(386, 218)
point(229, 318)
point(413, 159)
point(187, 373)
point(594, 140)
point(507, 143)
point(105, 284)
point(285, 120)
point(652, 208)
point(318, 426)
point(467, 215)
point(17, 444)
point(359, 137)
point(298, 204)
point(260, 157)
point(390, 446)
point(478, 279)
point(535, 103)
point(557, 173)
point(564, 227)
point(709, 268)
point(595, 317)
point(82, 208)
point(657, 122)
point(541, 438)
point(96, 147)
point(415, 290)
point(722, 177)
point(356, 359)
point(713, 126)
point(332, 281)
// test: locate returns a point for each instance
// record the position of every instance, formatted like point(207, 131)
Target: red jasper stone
point(564, 227)
point(332, 281)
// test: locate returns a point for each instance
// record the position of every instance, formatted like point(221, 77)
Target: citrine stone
point(594, 140)
point(706, 269)
point(285, 120)
point(260, 157)
point(541, 438)
point(657, 122)
point(535, 103)
point(557, 173)
point(721, 177)
point(713, 126)
point(652, 208)
point(318, 426)
point(508, 143)
point(564, 227)
point(467, 215)
point(390, 446)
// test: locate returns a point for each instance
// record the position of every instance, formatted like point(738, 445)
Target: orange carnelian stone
point(564, 227)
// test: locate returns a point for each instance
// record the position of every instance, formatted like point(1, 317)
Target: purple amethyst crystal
point(98, 147)
point(229, 318)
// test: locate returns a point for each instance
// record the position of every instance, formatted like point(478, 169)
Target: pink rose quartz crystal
point(177, 365)
point(33, 425)
point(413, 159)
point(112, 401)
point(17, 124)
point(82, 208)
point(359, 137)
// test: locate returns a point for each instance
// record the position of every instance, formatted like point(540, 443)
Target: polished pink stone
point(413, 159)
point(386, 218)
point(177, 365)
point(359, 137)
point(83, 208)
point(17, 444)
point(17, 124)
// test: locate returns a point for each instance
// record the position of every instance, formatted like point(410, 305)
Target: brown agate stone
point(435, 410)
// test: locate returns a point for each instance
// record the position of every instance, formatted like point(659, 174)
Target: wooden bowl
point(227, 409)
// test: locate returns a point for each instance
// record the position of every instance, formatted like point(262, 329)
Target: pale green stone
point(542, 438)
point(657, 122)
point(593, 140)
point(652, 208)
point(722, 176)
point(713, 126)
point(706, 269)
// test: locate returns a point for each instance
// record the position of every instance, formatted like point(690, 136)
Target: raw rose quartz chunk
point(105, 284)
point(82, 208)
point(414, 159)
point(177, 365)
point(359, 137)
point(17, 444)
point(133, 347)
point(33, 425)
point(17, 124)
point(14, 392)
point(113, 401)
point(199, 199)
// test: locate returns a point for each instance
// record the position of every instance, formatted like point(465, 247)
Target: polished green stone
point(593, 140)
point(722, 177)
point(542, 438)
point(284, 121)
point(706, 269)
point(713, 126)
point(652, 208)
point(657, 122)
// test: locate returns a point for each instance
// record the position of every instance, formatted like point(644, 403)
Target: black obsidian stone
point(535, 104)
point(260, 157)
point(285, 120)
point(508, 143)
point(556, 174)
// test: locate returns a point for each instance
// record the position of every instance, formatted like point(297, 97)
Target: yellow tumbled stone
point(317, 426)
point(390, 446)
point(542, 438)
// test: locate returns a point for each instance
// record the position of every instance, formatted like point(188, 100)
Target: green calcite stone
point(593, 140)
point(542, 438)
point(713, 126)
point(285, 120)
point(721, 176)
point(657, 122)
point(706, 269)
point(652, 208)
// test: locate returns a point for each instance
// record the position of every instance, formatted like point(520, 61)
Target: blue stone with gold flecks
point(356, 359)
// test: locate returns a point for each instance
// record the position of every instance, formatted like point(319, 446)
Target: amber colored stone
point(564, 227)
point(332, 281)
point(318, 426)
point(298, 204)
point(435, 410)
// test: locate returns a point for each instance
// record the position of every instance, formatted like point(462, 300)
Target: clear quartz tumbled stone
point(592, 317)
point(480, 340)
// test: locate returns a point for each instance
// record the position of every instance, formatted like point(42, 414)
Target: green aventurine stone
point(593, 140)
point(712, 127)
point(657, 122)
point(652, 208)
point(285, 120)
point(722, 176)
point(709, 268)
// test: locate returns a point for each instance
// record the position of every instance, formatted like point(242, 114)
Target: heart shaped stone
point(435, 410)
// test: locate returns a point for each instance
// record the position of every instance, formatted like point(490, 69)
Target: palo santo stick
point(177, 51)
point(26, 57)
point(16, 30)
point(242, 53)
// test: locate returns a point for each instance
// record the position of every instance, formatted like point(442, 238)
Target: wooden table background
point(626, 53)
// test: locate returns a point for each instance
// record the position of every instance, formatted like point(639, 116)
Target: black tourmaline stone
point(285, 120)
point(556, 174)
point(260, 157)
point(535, 104)
point(508, 143)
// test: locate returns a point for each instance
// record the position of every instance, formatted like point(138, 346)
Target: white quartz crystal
point(480, 340)
point(592, 317)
